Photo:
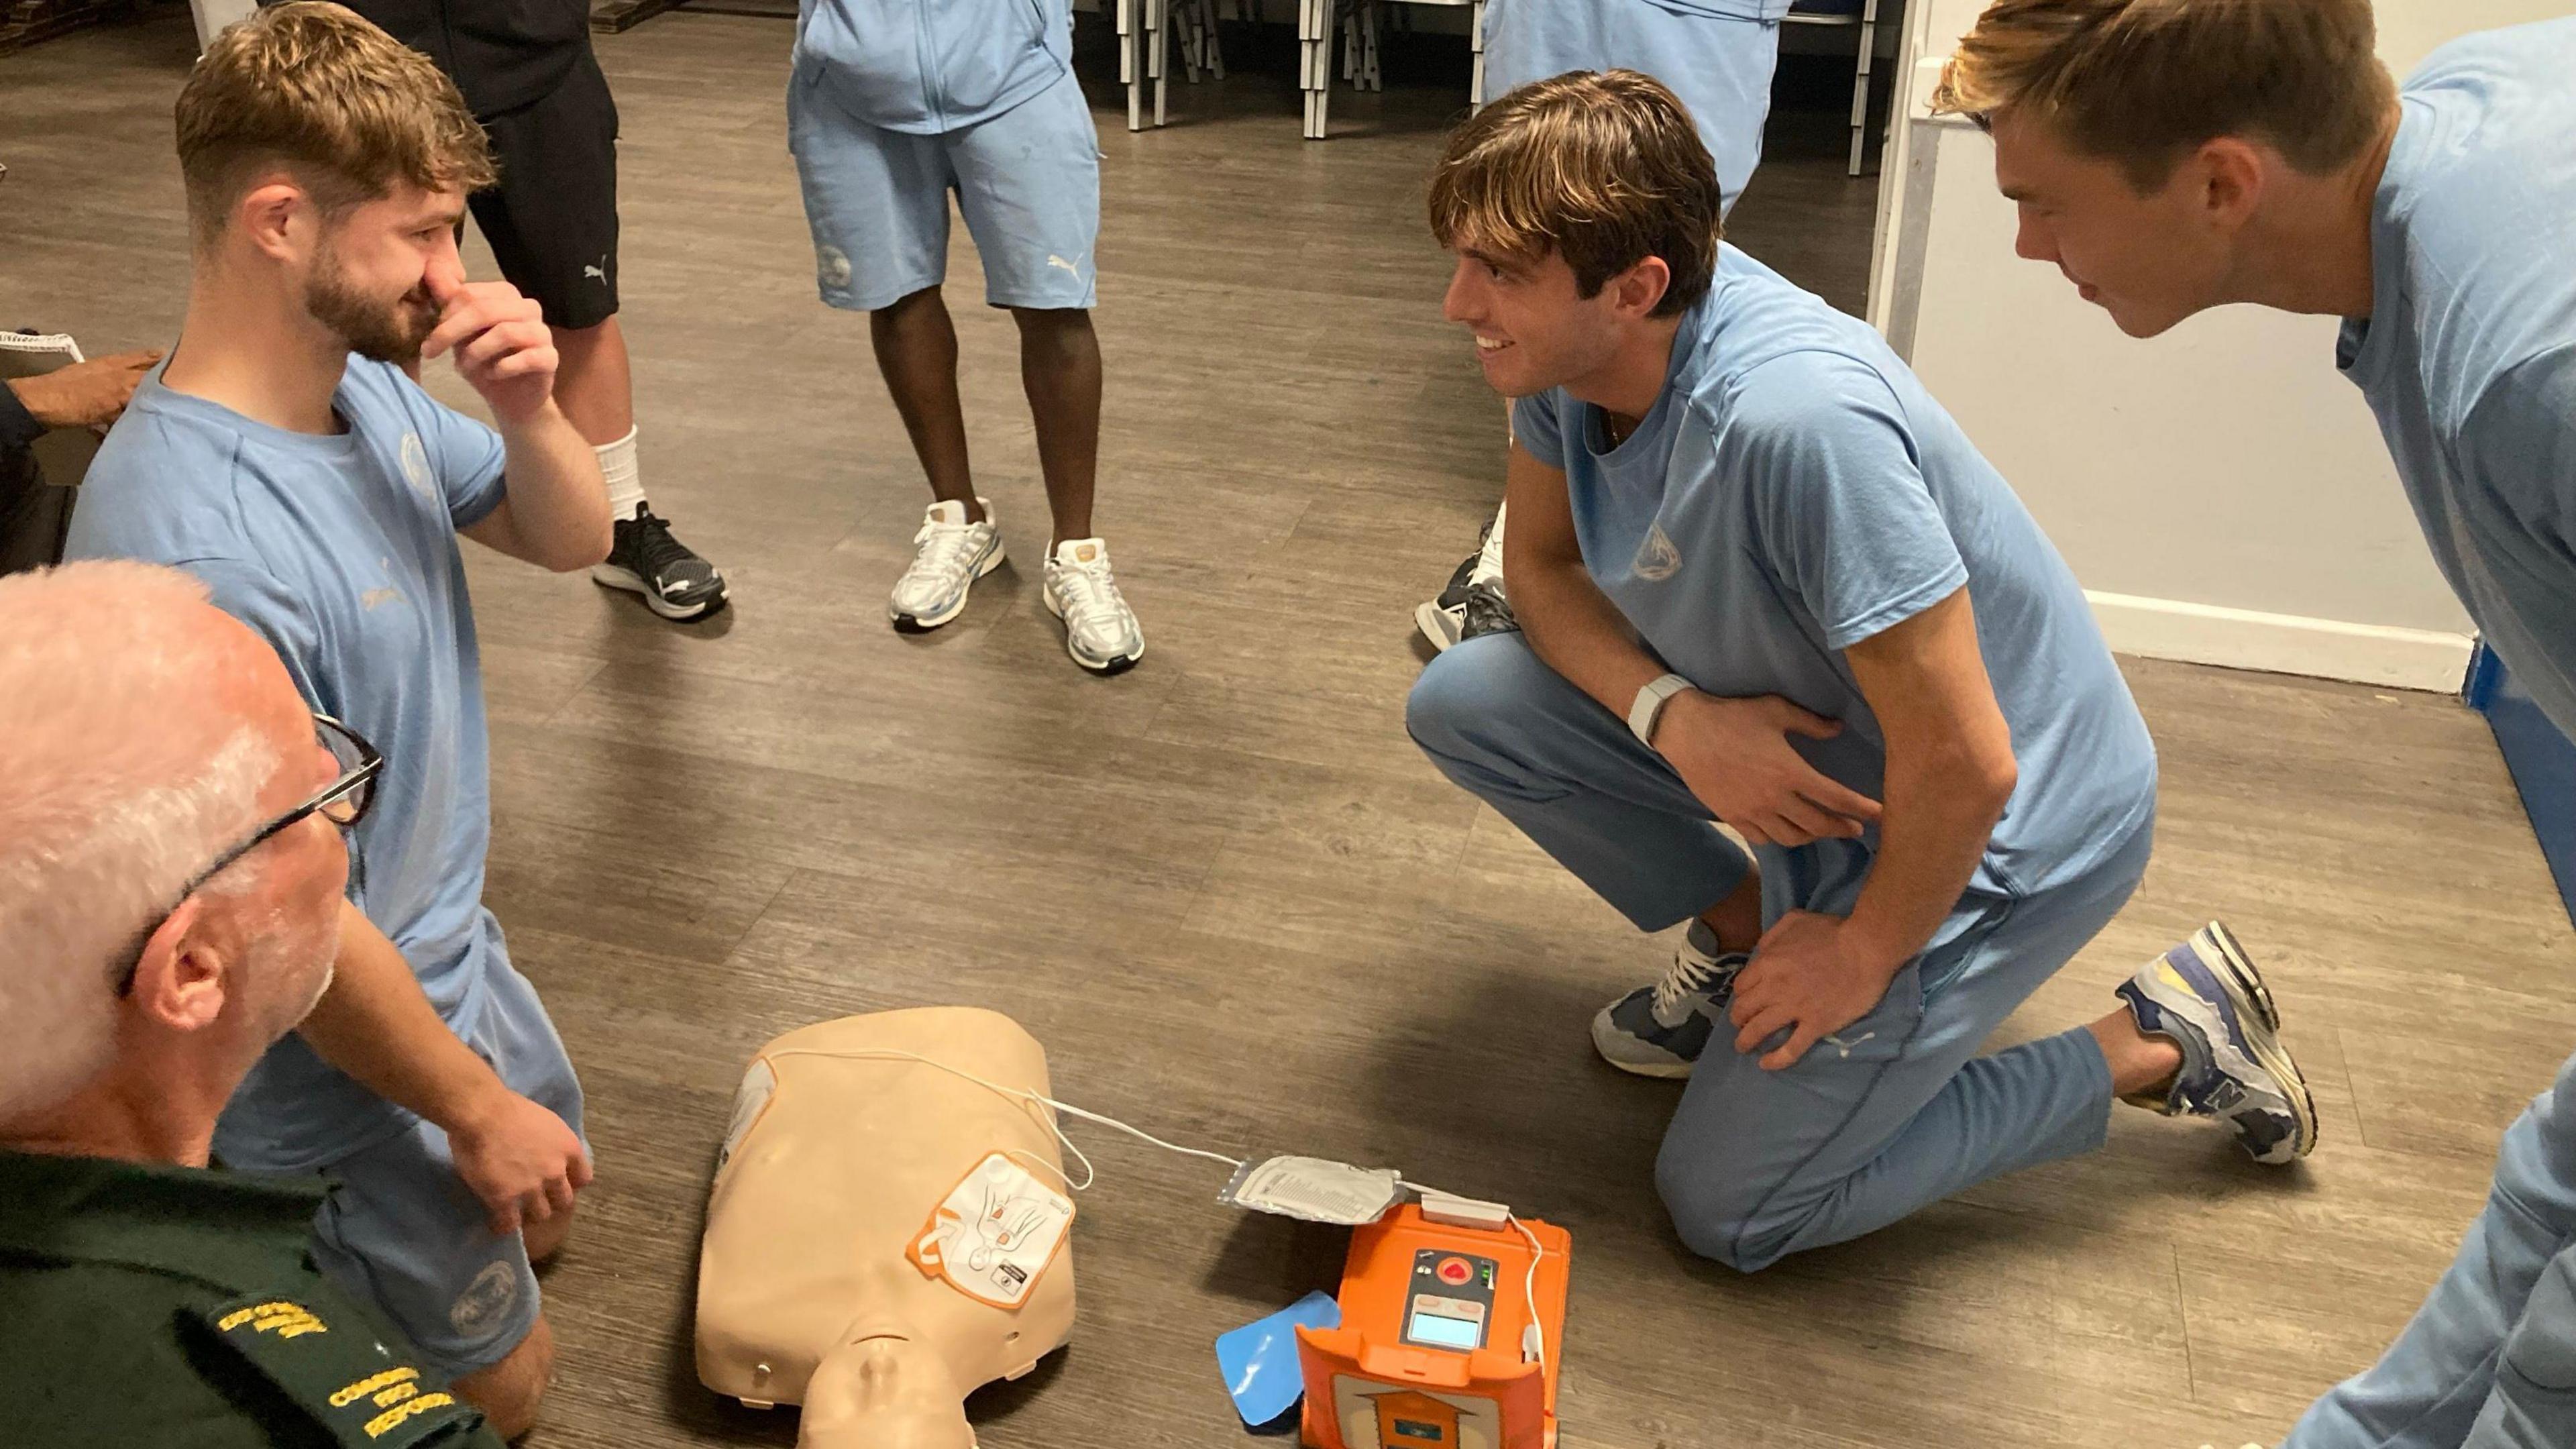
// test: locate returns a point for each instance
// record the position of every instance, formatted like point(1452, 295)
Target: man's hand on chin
point(504, 349)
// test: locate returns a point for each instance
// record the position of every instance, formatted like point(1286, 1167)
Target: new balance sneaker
point(645, 559)
point(2206, 997)
point(1660, 1030)
point(1473, 604)
point(950, 554)
point(1100, 631)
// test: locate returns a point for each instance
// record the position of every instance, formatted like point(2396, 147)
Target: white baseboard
point(2283, 643)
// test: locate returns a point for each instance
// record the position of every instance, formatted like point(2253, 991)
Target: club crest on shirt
point(834, 266)
point(484, 1300)
point(415, 465)
point(1657, 559)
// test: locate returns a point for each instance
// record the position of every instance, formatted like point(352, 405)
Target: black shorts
point(552, 220)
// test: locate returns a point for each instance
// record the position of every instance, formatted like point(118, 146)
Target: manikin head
point(885, 1387)
point(149, 735)
point(2146, 141)
point(327, 167)
point(1584, 212)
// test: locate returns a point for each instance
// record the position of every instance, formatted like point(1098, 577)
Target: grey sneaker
point(951, 555)
point(1660, 1030)
point(2206, 997)
point(1100, 631)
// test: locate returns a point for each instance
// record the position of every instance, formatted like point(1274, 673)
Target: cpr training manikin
point(889, 1228)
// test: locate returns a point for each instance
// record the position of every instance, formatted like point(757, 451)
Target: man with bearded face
point(284, 456)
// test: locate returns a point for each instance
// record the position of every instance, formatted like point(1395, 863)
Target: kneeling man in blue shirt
point(1765, 580)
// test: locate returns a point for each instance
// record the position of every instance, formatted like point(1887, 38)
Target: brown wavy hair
point(314, 89)
point(2144, 82)
point(1602, 168)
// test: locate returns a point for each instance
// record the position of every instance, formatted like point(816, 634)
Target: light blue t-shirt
point(1795, 491)
point(341, 552)
point(931, 66)
point(2469, 353)
point(1717, 55)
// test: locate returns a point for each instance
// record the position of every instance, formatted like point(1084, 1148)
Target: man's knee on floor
point(509, 1392)
point(1728, 1222)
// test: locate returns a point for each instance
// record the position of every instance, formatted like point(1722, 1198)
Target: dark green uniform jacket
point(178, 1308)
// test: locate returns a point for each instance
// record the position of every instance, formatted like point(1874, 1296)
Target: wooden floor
point(1225, 890)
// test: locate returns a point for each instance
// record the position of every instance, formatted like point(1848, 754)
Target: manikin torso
point(805, 1292)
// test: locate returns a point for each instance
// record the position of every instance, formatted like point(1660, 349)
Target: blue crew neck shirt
point(1793, 492)
point(341, 552)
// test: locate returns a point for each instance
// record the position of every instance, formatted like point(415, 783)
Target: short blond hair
point(2144, 82)
point(1602, 168)
point(126, 776)
point(317, 90)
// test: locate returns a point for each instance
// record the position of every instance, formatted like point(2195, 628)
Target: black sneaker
point(647, 560)
point(1443, 620)
point(1488, 611)
point(1472, 604)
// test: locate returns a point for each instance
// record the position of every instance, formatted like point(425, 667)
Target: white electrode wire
point(1529, 1290)
point(1529, 1280)
point(1090, 1174)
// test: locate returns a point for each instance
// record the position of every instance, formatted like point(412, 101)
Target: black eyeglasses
point(343, 802)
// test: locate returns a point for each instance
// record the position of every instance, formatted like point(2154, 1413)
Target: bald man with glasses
point(171, 868)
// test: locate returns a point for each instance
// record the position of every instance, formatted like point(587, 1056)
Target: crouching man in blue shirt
point(2186, 154)
point(892, 105)
point(1765, 580)
point(284, 457)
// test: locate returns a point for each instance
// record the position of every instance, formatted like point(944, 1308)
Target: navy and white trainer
point(1660, 1030)
point(2205, 997)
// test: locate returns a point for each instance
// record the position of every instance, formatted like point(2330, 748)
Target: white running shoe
point(952, 555)
point(1100, 631)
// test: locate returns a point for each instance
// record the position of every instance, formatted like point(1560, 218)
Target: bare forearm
point(1582, 636)
point(1950, 773)
point(558, 501)
point(1942, 804)
point(1566, 618)
point(375, 1025)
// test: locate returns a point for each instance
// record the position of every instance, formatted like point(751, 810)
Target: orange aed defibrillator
point(1451, 1327)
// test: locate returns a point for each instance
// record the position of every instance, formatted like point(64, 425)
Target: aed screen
point(1441, 1331)
point(1415, 1429)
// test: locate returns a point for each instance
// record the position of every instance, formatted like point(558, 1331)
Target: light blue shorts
point(1719, 66)
point(404, 1231)
point(1027, 181)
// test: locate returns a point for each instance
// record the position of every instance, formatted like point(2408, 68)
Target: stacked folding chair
point(1145, 32)
point(1355, 23)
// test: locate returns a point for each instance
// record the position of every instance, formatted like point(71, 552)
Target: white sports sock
point(625, 482)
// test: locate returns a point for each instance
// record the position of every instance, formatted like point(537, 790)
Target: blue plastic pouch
point(1259, 1360)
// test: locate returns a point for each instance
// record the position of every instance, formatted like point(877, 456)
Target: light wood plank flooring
point(1225, 890)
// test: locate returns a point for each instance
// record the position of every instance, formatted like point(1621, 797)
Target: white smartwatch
point(1650, 706)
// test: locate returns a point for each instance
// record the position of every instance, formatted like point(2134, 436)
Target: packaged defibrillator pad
point(1313, 1189)
point(995, 1234)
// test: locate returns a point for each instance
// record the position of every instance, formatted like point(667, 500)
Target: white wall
point(2221, 490)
